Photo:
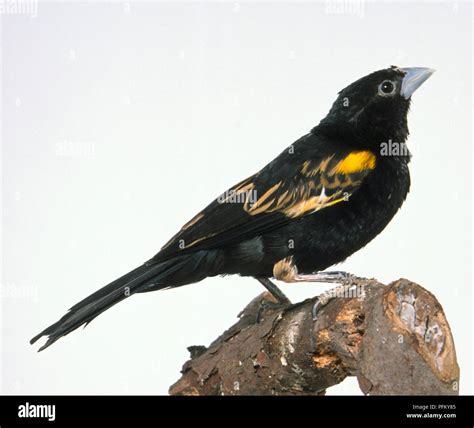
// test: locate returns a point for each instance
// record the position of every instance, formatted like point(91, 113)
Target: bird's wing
point(286, 189)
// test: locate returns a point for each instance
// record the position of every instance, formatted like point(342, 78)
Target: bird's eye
point(387, 87)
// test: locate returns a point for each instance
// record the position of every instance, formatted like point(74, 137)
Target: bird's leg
point(278, 295)
point(286, 270)
point(338, 277)
point(275, 291)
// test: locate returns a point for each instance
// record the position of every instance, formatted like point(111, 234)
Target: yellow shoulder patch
point(356, 162)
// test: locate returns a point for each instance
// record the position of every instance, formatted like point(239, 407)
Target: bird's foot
point(279, 296)
point(350, 288)
point(266, 305)
point(280, 299)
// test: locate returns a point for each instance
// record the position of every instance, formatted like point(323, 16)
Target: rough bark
point(395, 339)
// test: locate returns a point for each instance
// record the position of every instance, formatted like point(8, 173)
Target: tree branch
point(395, 339)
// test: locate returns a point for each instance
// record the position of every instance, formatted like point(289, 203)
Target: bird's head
point(374, 108)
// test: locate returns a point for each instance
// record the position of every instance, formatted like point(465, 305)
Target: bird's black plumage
point(323, 198)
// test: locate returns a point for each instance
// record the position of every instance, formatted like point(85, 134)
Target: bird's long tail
point(143, 278)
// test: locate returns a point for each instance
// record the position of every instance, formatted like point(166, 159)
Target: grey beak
point(413, 79)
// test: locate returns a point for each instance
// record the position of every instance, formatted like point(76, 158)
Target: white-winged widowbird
point(328, 194)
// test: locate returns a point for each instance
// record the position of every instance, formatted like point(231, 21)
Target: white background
point(122, 120)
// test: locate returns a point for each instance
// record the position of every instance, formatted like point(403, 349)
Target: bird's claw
point(344, 288)
point(267, 305)
point(314, 309)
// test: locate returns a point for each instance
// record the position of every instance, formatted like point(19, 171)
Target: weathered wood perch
point(395, 339)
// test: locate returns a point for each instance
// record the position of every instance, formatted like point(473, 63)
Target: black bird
point(323, 198)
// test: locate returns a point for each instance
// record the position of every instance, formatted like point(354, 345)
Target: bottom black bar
point(158, 410)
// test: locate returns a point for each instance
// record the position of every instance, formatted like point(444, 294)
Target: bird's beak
point(413, 79)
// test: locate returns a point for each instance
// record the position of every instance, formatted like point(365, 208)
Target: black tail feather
point(111, 287)
point(89, 308)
